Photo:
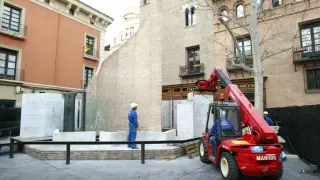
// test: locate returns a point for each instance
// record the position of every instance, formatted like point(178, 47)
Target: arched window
point(225, 12)
point(193, 15)
point(187, 16)
point(190, 15)
point(240, 11)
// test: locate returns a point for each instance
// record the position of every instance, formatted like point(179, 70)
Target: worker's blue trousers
point(131, 138)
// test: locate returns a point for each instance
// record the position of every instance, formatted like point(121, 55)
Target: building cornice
point(67, 15)
point(37, 86)
point(92, 10)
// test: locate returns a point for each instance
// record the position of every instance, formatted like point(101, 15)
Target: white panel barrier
point(112, 136)
point(75, 136)
point(41, 114)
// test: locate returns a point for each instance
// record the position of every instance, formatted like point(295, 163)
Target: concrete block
point(112, 136)
point(185, 121)
point(171, 134)
point(275, 129)
point(151, 136)
point(41, 114)
point(200, 110)
point(75, 136)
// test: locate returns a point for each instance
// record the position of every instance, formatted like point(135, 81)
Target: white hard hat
point(265, 113)
point(133, 105)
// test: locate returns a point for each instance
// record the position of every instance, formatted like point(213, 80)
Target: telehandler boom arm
point(262, 132)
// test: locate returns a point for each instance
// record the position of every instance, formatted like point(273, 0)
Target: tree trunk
point(257, 64)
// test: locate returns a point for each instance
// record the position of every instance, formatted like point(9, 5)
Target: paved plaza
point(24, 167)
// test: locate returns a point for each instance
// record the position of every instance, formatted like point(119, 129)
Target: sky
point(113, 8)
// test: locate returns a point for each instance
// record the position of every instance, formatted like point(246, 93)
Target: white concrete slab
point(75, 136)
point(192, 117)
point(150, 136)
point(200, 110)
point(185, 121)
point(112, 136)
point(275, 129)
point(41, 114)
point(171, 134)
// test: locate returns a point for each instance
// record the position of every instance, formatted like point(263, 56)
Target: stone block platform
point(103, 152)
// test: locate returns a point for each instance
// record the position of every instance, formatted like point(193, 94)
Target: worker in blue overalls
point(270, 123)
point(133, 125)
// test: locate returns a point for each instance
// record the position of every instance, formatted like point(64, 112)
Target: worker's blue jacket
point(133, 121)
point(225, 124)
point(269, 121)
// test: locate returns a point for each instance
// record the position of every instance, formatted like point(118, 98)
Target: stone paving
point(24, 167)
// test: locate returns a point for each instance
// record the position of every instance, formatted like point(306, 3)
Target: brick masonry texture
point(151, 58)
point(105, 155)
point(148, 60)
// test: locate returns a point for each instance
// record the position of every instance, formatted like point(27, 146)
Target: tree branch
point(242, 60)
point(234, 21)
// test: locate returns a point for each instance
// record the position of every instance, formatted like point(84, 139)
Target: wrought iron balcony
point(11, 74)
point(90, 53)
point(306, 54)
point(12, 29)
point(230, 67)
point(195, 70)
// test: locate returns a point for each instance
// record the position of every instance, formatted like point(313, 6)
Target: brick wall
point(133, 73)
point(105, 155)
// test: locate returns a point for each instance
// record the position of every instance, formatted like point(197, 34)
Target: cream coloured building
point(127, 29)
point(180, 42)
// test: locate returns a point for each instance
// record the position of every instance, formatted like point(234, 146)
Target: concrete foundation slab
point(75, 136)
point(102, 152)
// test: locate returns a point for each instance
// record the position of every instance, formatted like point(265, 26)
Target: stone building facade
point(180, 42)
point(290, 48)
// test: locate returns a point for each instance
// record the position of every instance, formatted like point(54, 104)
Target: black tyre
point(276, 177)
point(229, 167)
point(203, 151)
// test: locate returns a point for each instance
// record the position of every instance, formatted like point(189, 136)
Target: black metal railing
point(90, 53)
point(13, 29)
point(248, 62)
point(307, 53)
point(191, 70)
point(11, 74)
point(13, 140)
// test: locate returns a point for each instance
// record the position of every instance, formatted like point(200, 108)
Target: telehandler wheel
point(229, 167)
point(277, 176)
point(203, 151)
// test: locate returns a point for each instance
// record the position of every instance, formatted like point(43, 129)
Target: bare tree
point(257, 42)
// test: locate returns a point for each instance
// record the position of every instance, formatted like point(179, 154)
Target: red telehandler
point(255, 153)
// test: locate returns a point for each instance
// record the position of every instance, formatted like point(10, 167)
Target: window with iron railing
point(8, 61)
point(310, 40)
point(194, 60)
point(245, 47)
